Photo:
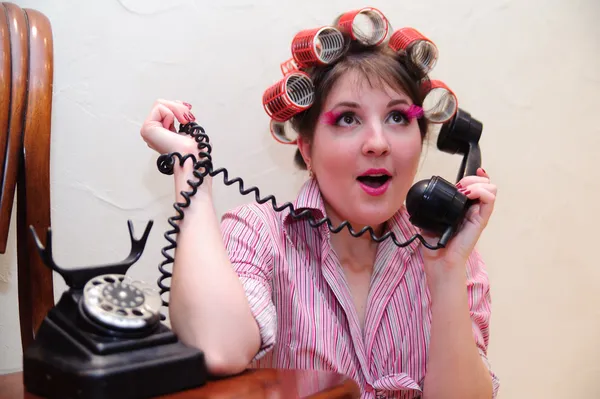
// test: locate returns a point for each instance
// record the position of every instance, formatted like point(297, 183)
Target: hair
point(378, 65)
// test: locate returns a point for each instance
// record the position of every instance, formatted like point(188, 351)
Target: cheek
point(407, 155)
point(331, 155)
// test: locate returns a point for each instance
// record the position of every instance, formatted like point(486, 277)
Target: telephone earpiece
point(435, 204)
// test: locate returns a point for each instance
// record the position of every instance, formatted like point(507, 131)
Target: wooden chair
point(26, 77)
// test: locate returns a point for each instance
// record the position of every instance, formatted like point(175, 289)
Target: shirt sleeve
point(478, 288)
point(250, 246)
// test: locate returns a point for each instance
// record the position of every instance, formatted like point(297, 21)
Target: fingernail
point(467, 192)
point(484, 171)
point(191, 116)
point(188, 105)
point(458, 185)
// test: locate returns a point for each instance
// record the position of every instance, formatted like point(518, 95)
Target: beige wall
point(529, 71)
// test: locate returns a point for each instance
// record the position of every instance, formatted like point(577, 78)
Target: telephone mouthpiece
point(291, 95)
point(440, 103)
point(320, 46)
point(435, 204)
point(366, 25)
point(422, 52)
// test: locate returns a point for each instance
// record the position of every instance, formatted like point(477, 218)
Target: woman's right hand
point(158, 130)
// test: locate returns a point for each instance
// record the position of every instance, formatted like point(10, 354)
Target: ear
point(304, 147)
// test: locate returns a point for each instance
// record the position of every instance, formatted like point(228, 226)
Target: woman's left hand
point(459, 248)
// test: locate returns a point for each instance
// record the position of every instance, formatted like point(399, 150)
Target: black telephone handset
point(435, 204)
point(104, 338)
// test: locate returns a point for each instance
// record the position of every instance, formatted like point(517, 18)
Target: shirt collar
point(310, 199)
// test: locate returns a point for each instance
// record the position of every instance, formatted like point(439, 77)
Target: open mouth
point(374, 181)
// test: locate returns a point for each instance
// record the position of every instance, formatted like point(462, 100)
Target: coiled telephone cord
point(204, 167)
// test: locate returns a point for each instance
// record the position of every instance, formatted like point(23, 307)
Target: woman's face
point(365, 151)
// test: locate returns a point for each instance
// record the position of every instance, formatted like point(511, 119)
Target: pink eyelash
point(414, 111)
point(330, 118)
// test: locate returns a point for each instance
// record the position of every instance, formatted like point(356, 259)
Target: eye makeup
point(332, 117)
point(414, 111)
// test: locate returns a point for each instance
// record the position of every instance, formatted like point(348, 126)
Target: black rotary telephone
point(105, 339)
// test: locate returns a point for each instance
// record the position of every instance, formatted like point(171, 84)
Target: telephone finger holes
point(119, 302)
point(367, 25)
point(440, 103)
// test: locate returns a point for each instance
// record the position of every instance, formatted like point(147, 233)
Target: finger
point(162, 115)
point(181, 112)
point(486, 197)
point(480, 176)
point(492, 188)
point(469, 180)
point(184, 103)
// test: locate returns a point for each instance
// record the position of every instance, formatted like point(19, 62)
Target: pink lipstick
point(375, 181)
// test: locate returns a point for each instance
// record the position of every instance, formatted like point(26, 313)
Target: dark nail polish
point(458, 185)
point(191, 116)
point(188, 105)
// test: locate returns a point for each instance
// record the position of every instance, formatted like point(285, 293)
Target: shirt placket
point(332, 273)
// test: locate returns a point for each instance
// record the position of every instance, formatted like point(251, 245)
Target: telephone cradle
point(105, 339)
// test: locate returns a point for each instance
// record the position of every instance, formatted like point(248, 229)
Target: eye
point(347, 119)
point(398, 117)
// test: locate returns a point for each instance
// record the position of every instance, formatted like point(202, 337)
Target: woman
point(267, 290)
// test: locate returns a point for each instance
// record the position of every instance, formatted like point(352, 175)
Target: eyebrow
point(396, 102)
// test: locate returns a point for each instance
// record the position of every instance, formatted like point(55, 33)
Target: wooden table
point(254, 384)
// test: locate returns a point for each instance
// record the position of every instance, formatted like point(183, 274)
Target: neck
point(348, 246)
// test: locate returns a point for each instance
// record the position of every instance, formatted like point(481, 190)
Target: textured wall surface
point(527, 70)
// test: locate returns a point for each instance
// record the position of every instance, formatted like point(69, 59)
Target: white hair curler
point(282, 133)
point(367, 25)
point(440, 103)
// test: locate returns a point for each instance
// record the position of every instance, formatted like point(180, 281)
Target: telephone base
point(68, 362)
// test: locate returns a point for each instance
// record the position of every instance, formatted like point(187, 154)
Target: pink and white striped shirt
point(303, 306)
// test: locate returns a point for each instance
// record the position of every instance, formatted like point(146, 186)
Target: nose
point(376, 142)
